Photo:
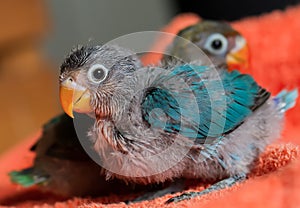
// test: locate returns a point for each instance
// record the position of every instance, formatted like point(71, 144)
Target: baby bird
point(155, 124)
point(59, 146)
point(225, 46)
point(61, 165)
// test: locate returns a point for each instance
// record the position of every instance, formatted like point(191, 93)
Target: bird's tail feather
point(26, 177)
point(286, 99)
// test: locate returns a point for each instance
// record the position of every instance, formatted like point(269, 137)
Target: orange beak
point(239, 57)
point(74, 97)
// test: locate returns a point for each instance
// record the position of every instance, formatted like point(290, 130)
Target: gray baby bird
point(159, 123)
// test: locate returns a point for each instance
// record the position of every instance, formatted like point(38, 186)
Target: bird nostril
point(70, 79)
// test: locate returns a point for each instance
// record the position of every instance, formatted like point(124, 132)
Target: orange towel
point(274, 41)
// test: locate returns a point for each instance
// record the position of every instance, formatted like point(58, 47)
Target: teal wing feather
point(204, 106)
point(27, 177)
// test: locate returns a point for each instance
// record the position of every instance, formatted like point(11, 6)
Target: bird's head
point(220, 42)
point(91, 79)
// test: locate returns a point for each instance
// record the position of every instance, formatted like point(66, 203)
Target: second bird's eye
point(216, 44)
point(97, 73)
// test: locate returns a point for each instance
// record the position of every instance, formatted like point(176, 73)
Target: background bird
point(225, 46)
point(157, 124)
point(62, 166)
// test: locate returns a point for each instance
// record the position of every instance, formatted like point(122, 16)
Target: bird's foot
point(228, 182)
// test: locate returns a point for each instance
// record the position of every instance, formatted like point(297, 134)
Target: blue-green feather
point(286, 99)
point(222, 104)
point(27, 177)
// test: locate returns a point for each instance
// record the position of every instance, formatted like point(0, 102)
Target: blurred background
point(37, 34)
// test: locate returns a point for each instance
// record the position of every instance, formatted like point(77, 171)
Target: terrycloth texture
point(275, 176)
point(274, 41)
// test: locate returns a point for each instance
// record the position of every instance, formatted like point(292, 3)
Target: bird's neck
point(108, 136)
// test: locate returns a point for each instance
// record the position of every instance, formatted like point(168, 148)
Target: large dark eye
point(216, 44)
point(97, 73)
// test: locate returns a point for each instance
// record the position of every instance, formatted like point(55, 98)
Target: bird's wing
point(198, 103)
point(59, 139)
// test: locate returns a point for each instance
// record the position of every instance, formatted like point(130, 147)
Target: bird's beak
point(238, 57)
point(74, 97)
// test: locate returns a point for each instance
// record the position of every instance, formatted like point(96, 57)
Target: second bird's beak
point(238, 58)
point(74, 97)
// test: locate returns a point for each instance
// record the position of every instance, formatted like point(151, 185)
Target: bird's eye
point(97, 73)
point(216, 44)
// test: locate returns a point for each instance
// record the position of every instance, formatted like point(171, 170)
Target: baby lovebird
point(61, 165)
point(156, 124)
point(224, 45)
point(59, 154)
